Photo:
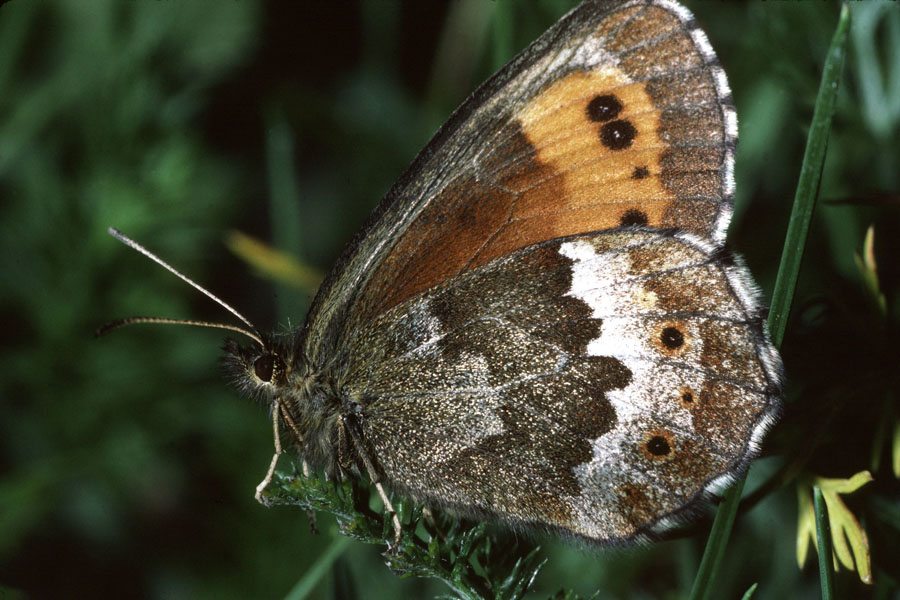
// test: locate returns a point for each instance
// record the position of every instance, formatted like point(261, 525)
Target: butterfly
point(538, 324)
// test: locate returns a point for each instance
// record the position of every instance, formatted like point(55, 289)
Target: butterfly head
point(302, 402)
point(261, 371)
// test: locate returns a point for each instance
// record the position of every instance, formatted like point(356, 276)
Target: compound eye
point(264, 366)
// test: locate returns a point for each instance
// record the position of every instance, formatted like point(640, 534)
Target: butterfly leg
point(290, 421)
point(310, 514)
point(390, 510)
point(376, 480)
point(278, 452)
point(432, 523)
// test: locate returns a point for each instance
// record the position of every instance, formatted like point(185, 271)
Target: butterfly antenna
point(251, 333)
point(113, 325)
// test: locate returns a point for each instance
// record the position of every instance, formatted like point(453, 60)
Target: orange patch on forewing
point(551, 173)
point(583, 184)
point(527, 231)
point(460, 219)
point(590, 173)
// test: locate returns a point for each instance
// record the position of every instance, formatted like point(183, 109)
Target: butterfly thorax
point(279, 376)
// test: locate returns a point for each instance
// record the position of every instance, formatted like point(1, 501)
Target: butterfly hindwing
point(565, 386)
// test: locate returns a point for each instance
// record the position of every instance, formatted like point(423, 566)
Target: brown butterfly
point(538, 325)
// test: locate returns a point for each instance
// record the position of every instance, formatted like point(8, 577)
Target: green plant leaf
point(449, 554)
point(868, 268)
point(895, 450)
point(848, 541)
point(274, 264)
point(851, 545)
point(806, 524)
point(749, 593)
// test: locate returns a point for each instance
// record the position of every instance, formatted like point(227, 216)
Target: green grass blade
point(284, 204)
point(718, 538)
point(823, 540)
point(318, 570)
point(749, 593)
point(788, 270)
point(808, 185)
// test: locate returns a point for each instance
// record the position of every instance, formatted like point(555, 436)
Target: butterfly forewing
point(619, 114)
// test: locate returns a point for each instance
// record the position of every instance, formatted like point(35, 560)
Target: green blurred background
point(128, 466)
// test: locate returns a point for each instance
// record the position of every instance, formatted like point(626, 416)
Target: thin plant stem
point(823, 540)
point(788, 271)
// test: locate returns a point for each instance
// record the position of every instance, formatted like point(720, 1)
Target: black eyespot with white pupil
point(615, 133)
point(264, 367)
point(603, 108)
point(658, 446)
point(618, 134)
point(672, 338)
